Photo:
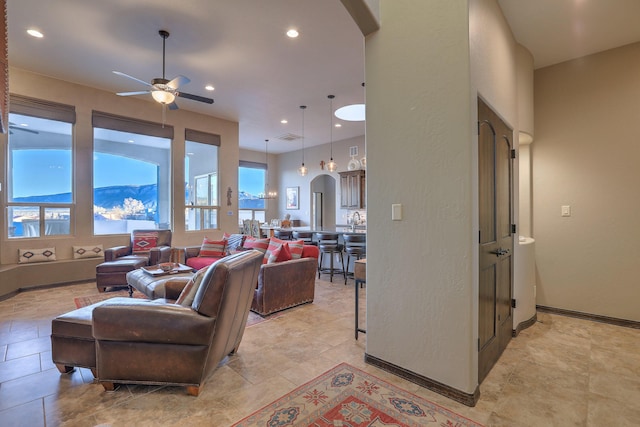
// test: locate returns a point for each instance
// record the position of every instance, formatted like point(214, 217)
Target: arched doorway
point(323, 202)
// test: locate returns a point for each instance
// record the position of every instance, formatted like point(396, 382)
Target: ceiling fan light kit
point(162, 90)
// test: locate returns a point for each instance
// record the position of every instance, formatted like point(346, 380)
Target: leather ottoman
point(72, 342)
point(114, 273)
point(154, 287)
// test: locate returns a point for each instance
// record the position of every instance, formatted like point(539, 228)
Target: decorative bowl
point(166, 266)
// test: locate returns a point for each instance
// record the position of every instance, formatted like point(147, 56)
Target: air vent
point(289, 137)
point(353, 151)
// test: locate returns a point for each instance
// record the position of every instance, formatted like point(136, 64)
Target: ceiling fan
point(164, 91)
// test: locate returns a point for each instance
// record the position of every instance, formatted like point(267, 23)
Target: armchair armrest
point(159, 254)
point(111, 254)
point(173, 287)
point(182, 253)
point(146, 321)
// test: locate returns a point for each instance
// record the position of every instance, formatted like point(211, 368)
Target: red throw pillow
point(259, 244)
point(143, 242)
point(212, 248)
point(273, 256)
point(285, 253)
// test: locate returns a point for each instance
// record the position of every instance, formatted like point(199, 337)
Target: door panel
point(495, 319)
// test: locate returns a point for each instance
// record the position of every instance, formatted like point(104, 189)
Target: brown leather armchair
point(286, 284)
point(157, 342)
point(160, 252)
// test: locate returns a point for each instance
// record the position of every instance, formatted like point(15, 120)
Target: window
point(40, 168)
point(131, 174)
point(202, 203)
point(252, 178)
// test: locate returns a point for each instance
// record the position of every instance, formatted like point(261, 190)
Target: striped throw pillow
point(212, 248)
point(259, 244)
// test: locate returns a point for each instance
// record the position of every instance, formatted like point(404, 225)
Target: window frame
point(262, 211)
point(108, 121)
point(206, 216)
point(48, 110)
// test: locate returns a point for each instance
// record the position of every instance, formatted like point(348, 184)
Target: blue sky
point(251, 180)
point(42, 172)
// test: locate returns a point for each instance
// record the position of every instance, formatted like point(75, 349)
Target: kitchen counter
point(342, 229)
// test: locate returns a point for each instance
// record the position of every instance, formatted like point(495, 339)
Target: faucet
point(355, 221)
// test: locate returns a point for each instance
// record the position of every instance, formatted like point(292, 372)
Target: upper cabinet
point(353, 190)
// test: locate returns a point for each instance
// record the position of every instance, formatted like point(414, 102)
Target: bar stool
point(355, 245)
point(283, 234)
point(305, 236)
point(328, 244)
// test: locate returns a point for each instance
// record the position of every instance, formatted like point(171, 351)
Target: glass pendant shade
point(332, 166)
point(302, 170)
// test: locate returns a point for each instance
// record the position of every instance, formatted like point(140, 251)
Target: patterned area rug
point(84, 301)
point(346, 396)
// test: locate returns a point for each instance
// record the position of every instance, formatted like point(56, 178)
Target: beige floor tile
point(561, 371)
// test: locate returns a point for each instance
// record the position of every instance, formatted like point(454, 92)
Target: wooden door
point(495, 239)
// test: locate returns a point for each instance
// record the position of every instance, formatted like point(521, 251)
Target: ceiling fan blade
point(142, 92)
point(173, 106)
point(194, 97)
point(178, 81)
point(132, 78)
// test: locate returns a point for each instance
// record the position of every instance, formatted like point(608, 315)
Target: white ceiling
point(559, 30)
point(260, 75)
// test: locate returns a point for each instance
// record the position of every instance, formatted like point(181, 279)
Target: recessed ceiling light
point(293, 33)
point(284, 121)
point(35, 33)
point(24, 124)
point(351, 113)
point(338, 125)
point(209, 87)
point(131, 140)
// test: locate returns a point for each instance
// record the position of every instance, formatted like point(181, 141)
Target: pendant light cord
point(303, 107)
point(331, 123)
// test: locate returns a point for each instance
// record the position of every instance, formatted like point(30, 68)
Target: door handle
point(500, 252)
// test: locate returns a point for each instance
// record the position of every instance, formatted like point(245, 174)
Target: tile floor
point(560, 372)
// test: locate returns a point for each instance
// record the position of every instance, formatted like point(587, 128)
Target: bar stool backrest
point(305, 236)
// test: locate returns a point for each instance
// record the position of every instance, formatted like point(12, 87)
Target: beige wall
point(87, 99)
point(586, 154)
point(422, 286)
point(420, 299)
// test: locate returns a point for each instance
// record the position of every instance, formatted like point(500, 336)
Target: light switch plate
point(566, 210)
point(396, 212)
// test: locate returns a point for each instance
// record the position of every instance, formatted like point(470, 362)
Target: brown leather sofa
point(286, 284)
point(280, 285)
point(156, 342)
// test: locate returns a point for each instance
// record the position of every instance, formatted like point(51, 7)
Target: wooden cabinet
point(353, 189)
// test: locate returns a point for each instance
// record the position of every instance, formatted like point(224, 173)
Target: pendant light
point(267, 194)
point(302, 170)
point(331, 166)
